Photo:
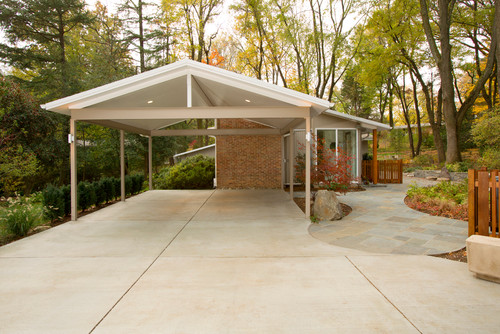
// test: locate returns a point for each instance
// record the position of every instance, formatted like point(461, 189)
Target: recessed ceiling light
point(247, 101)
point(150, 101)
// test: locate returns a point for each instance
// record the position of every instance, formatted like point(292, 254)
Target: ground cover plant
point(447, 199)
point(20, 214)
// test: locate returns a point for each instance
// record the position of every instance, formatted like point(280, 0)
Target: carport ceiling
point(183, 90)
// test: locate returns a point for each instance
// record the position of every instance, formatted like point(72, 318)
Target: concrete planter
point(483, 257)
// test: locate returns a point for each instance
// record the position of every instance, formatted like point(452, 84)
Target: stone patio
point(382, 223)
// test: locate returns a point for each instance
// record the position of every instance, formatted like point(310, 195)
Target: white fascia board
point(370, 123)
point(177, 69)
point(118, 88)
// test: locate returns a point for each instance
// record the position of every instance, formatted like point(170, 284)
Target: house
point(257, 122)
point(207, 151)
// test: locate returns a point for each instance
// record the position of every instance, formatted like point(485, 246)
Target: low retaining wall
point(455, 176)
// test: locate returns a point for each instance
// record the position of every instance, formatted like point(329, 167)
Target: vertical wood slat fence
point(389, 171)
point(483, 202)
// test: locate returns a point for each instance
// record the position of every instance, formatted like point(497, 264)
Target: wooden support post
point(73, 168)
point(472, 202)
point(494, 202)
point(375, 162)
point(291, 161)
point(483, 203)
point(122, 164)
point(308, 167)
point(150, 162)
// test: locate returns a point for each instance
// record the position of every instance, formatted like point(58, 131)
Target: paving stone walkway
point(382, 223)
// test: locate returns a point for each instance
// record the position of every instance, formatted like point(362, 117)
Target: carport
point(149, 102)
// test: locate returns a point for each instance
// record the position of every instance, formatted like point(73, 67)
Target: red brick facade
point(248, 161)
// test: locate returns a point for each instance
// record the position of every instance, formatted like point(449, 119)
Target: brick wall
point(247, 161)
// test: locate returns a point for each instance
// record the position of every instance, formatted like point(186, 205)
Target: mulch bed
point(459, 212)
point(459, 255)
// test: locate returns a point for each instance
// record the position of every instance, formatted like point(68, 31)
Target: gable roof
point(194, 85)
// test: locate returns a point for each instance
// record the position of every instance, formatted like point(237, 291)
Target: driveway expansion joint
point(383, 295)
point(151, 264)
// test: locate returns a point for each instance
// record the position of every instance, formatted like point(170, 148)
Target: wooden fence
point(389, 171)
point(483, 202)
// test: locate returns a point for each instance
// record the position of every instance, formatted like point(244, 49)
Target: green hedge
point(53, 200)
point(195, 172)
point(58, 200)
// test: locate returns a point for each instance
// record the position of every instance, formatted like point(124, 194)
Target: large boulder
point(327, 206)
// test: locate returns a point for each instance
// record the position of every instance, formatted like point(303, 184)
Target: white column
point(291, 161)
point(122, 164)
point(150, 162)
point(73, 168)
point(308, 167)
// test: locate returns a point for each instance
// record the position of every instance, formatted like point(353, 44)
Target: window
point(345, 139)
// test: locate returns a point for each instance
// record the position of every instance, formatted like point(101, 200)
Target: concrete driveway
point(226, 261)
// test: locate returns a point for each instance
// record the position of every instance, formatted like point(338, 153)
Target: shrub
point(461, 166)
point(195, 172)
point(53, 200)
point(67, 199)
point(128, 185)
point(160, 178)
point(86, 195)
point(423, 160)
point(446, 190)
point(100, 194)
point(137, 183)
point(107, 189)
point(486, 135)
point(117, 186)
point(21, 215)
point(332, 170)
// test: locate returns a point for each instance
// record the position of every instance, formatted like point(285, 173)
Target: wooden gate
point(483, 202)
point(388, 171)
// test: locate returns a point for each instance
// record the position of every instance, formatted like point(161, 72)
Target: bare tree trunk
point(417, 111)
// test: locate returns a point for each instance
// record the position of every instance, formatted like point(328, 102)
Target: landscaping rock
point(431, 178)
point(443, 179)
point(444, 174)
point(327, 206)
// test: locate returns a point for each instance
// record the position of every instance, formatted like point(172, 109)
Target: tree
point(354, 96)
point(442, 56)
point(37, 42)
point(26, 140)
point(101, 50)
point(141, 24)
point(192, 18)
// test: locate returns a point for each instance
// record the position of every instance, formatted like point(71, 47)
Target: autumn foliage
point(331, 168)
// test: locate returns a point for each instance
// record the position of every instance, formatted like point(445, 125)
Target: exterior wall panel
point(248, 161)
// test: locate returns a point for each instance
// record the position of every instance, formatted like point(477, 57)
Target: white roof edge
point(195, 150)
point(358, 119)
point(114, 85)
point(189, 65)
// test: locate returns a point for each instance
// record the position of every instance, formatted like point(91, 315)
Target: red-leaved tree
point(331, 168)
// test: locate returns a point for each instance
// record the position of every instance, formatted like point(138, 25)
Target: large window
point(345, 139)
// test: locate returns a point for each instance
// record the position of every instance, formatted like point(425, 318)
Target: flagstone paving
point(382, 223)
